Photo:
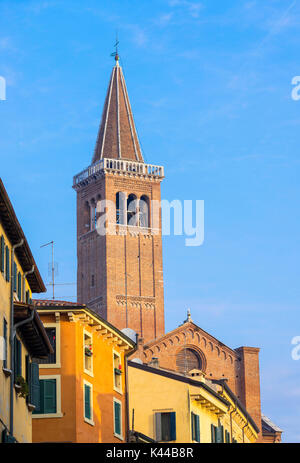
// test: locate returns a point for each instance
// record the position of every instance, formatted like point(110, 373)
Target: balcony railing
point(118, 165)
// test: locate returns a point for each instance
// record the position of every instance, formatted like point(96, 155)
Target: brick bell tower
point(120, 273)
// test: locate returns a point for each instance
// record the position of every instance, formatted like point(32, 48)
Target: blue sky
point(210, 86)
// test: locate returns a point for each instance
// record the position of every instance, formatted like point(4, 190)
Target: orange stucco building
point(83, 384)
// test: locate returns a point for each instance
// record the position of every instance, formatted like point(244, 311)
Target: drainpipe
point(126, 389)
point(231, 413)
point(244, 428)
point(11, 337)
point(24, 279)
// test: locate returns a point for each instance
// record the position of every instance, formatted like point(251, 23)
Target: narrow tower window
point(144, 211)
point(87, 217)
point(132, 210)
point(120, 208)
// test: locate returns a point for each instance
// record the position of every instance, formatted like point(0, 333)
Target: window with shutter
point(19, 286)
point(213, 433)
point(158, 427)
point(47, 403)
point(165, 426)
point(34, 385)
point(15, 277)
point(117, 418)
point(173, 425)
point(195, 427)
point(2, 251)
point(49, 396)
point(7, 264)
point(51, 333)
point(5, 343)
point(17, 358)
point(87, 402)
point(220, 435)
point(227, 437)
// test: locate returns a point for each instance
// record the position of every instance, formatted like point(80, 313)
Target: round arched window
point(187, 360)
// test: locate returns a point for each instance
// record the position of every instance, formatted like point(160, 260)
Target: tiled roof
point(268, 425)
point(117, 136)
point(55, 303)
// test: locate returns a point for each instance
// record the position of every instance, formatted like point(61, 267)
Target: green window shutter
point(117, 408)
point(2, 251)
point(39, 408)
point(213, 433)
point(15, 277)
point(17, 358)
point(173, 425)
point(49, 396)
point(5, 343)
point(193, 426)
point(87, 402)
point(219, 435)
point(27, 297)
point(158, 427)
point(34, 385)
point(19, 370)
point(197, 428)
point(227, 437)
point(7, 264)
point(19, 286)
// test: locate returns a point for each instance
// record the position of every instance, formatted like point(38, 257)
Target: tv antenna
point(52, 266)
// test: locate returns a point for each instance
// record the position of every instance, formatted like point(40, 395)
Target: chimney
point(154, 362)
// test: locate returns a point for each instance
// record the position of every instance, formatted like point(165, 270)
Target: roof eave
point(15, 233)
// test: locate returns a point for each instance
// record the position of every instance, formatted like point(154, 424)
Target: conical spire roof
point(117, 136)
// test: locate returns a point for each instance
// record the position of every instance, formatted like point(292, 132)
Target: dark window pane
point(51, 332)
point(166, 427)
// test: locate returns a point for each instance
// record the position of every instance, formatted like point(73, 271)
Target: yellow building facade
point(22, 336)
point(84, 383)
point(169, 407)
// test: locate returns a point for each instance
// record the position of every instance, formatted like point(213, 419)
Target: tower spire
point(117, 135)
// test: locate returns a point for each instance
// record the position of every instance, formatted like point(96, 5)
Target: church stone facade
point(120, 272)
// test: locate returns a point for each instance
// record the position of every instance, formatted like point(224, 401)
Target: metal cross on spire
point(116, 54)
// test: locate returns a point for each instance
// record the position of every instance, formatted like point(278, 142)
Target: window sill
point(7, 372)
point(88, 372)
point(119, 391)
point(90, 422)
point(48, 415)
point(49, 365)
point(118, 436)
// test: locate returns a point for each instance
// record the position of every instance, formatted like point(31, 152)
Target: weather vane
point(116, 54)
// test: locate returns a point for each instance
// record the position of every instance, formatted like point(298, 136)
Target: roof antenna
point(52, 266)
point(116, 54)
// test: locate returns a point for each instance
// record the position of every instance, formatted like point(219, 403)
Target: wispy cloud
point(138, 34)
point(6, 44)
point(38, 7)
point(164, 19)
point(193, 8)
